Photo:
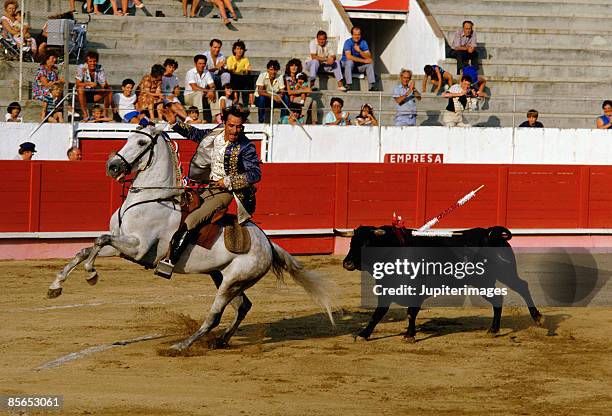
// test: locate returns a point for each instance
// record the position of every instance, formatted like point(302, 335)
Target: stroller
point(10, 50)
point(77, 41)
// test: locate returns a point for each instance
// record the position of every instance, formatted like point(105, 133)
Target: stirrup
point(164, 269)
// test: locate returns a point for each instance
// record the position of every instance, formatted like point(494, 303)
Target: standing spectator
point(215, 63)
point(337, 117)
point(239, 67)
point(532, 120)
point(74, 153)
point(438, 77)
point(323, 59)
point(26, 151)
point(91, 84)
point(406, 96)
point(605, 121)
point(356, 57)
point(46, 77)
point(198, 81)
point(13, 112)
point(51, 109)
point(366, 116)
point(464, 46)
point(149, 92)
point(457, 102)
point(269, 83)
point(171, 88)
point(124, 102)
point(298, 89)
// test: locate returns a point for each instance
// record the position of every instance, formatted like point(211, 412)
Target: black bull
point(388, 236)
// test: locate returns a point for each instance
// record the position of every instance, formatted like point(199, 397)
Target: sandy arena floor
point(287, 359)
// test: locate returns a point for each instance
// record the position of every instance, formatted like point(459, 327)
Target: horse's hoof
point(93, 278)
point(220, 344)
point(53, 293)
point(409, 340)
point(178, 347)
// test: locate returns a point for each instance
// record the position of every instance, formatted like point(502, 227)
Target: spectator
point(438, 77)
point(171, 88)
point(149, 92)
point(336, 117)
point(13, 112)
point(269, 83)
point(46, 77)
point(51, 109)
point(30, 42)
point(91, 84)
point(457, 102)
point(74, 153)
point(323, 59)
point(295, 115)
point(124, 102)
point(532, 120)
point(356, 57)
point(605, 121)
point(406, 96)
point(26, 151)
point(198, 81)
point(226, 101)
point(239, 67)
point(11, 27)
point(215, 63)
point(113, 3)
point(221, 5)
point(478, 81)
point(298, 89)
point(193, 115)
point(97, 115)
point(366, 116)
point(464, 46)
point(126, 5)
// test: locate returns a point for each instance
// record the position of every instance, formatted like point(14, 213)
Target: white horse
point(142, 227)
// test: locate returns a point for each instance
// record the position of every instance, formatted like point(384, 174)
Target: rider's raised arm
point(189, 132)
point(252, 171)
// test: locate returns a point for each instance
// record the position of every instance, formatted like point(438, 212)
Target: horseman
point(227, 161)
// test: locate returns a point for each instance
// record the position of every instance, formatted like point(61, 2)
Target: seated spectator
point(193, 116)
point(29, 42)
point(46, 77)
point(269, 83)
point(97, 4)
point(406, 96)
point(366, 116)
point(298, 89)
point(215, 63)
point(127, 5)
point(227, 99)
point(457, 102)
point(97, 115)
point(337, 117)
point(11, 27)
point(51, 109)
point(356, 57)
point(74, 153)
point(295, 115)
point(26, 151)
point(464, 47)
point(605, 121)
point(199, 86)
point(124, 102)
point(323, 59)
point(91, 84)
point(220, 4)
point(149, 92)
point(239, 67)
point(13, 112)
point(438, 76)
point(171, 88)
point(478, 81)
point(532, 120)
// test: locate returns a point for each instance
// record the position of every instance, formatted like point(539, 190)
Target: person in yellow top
point(239, 66)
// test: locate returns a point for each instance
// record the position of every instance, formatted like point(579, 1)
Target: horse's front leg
point(125, 244)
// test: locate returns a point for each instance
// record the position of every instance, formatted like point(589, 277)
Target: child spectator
point(13, 112)
point(532, 120)
point(193, 115)
point(366, 116)
point(29, 40)
point(605, 121)
point(295, 115)
point(226, 101)
point(171, 88)
point(336, 117)
point(51, 107)
point(438, 77)
point(239, 67)
point(124, 102)
point(97, 115)
point(298, 88)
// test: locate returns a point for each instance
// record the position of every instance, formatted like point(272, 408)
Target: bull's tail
point(499, 232)
point(320, 289)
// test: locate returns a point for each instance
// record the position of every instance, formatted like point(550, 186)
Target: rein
point(148, 149)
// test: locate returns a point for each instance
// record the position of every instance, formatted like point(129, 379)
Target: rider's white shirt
point(218, 157)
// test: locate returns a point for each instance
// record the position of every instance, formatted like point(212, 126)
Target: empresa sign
point(414, 158)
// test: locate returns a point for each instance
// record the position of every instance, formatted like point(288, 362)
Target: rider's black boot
point(180, 240)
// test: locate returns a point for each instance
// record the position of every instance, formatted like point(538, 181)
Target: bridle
point(148, 149)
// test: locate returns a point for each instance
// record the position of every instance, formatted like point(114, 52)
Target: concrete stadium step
point(516, 20)
point(526, 7)
point(529, 52)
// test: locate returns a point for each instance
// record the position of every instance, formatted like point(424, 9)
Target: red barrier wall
point(62, 196)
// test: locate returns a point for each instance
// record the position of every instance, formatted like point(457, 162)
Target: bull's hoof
point(409, 339)
point(492, 332)
point(219, 344)
point(53, 293)
point(539, 320)
point(360, 338)
point(93, 278)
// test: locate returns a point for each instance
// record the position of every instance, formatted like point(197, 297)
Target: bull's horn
point(339, 233)
point(379, 232)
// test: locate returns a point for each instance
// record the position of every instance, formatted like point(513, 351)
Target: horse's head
point(136, 154)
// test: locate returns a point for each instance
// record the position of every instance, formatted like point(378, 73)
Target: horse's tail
point(320, 290)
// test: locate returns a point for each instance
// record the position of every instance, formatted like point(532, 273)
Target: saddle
point(236, 237)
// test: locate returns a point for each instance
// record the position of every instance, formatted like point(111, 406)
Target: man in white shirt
point(198, 82)
point(269, 84)
point(323, 59)
point(215, 63)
